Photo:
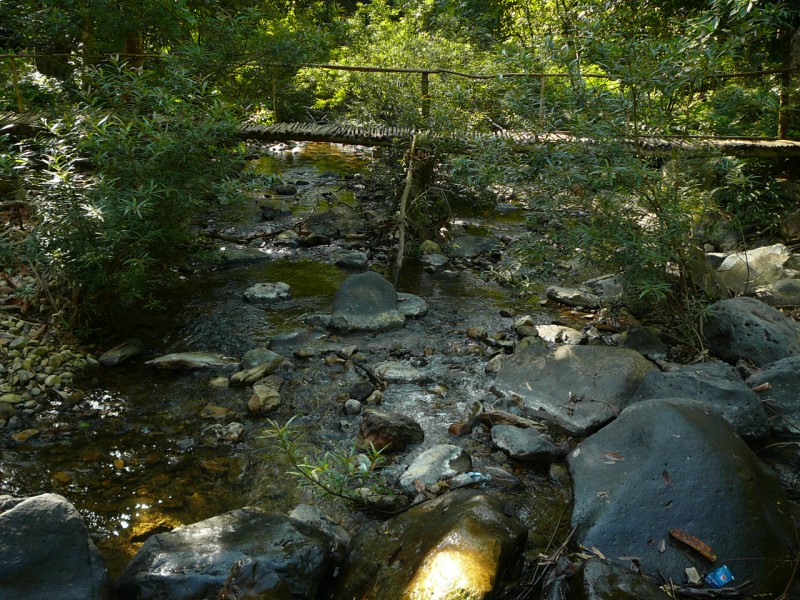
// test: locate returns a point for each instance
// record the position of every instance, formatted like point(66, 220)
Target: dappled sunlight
point(454, 571)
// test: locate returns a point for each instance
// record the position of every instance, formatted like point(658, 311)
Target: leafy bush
point(122, 175)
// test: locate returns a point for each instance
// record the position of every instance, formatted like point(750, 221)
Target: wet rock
point(259, 554)
point(526, 444)
point(374, 399)
point(267, 293)
point(609, 288)
point(434, 260)
point(676, 464)
point(274, 209)
point(191, 361)
point(253, 374)
point(350, 259)
point(580, 388)
point(392, 432)
point(435, 464)
point(645, 340)
point(456, 546)
point(411, 306)
point(361, 390)
point(429, 247)
point(366, 302)
point(717, 384)
point(559, 334)
point(400, 372)
point(288, 237)
point(285, 190)
point(218, 433)
point(264, 400)
point(573, 296)
point(782, 395)
point(336, 222)
point(599, 579)
point(746, 328)
point(6, 410)
point(352, 407)
point(46, 552)
point(785, 292)
point(122, 352)
point(470, 246)
point(744, 272)
point(316, 518)
point(261, 356)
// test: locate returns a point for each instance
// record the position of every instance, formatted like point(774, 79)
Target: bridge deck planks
point(21, 124)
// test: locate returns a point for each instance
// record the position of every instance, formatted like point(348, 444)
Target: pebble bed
point(36, 371)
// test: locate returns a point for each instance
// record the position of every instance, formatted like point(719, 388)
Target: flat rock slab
point(573, 296)
point(259, 554)
point(678, 465)
point(783, 395)
point(579, 388)
point(747, 329)
point(45, 552)
point(122, 352)
point(470, 246)
point(411, 306)
point(525, 443)
point(191, 361)
point(456, 546)
point(439, 462)
point(366, 302)
point(388, 431)
point(717, 384)
point(267, 293)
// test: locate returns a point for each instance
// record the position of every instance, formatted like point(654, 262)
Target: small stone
point(61, 477)
point(352, 407)
point(264, 400)
point(24, 435)
point(374, 399)
point(219, 383)
point(211, 411)
point(460, 429)
point(477, 333)
point(361, 390)
point(268, 293)
point(11, 398)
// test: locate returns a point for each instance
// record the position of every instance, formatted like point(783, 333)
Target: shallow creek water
point(133, 456)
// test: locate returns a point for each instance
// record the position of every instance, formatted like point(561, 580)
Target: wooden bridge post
point(275, 118)
point(15, 78)
point(426, 99)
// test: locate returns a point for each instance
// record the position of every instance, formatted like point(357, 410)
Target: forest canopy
point(132, 92)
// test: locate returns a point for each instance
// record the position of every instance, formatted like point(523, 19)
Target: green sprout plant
point(343, 473)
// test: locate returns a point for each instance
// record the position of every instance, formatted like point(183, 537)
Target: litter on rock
point(719, 577)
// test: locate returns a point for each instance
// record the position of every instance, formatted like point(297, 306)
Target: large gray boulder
point(717, 384)
point(747, 329)
point(366, 302)
point(782, 398)
point(470, 246)
point(744, 272)
point(456, 546)
point(45, 552)
point(580, 388)
point(259, 554)
point(678, 465)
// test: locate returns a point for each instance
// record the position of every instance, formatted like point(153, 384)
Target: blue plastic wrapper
point(719, 577)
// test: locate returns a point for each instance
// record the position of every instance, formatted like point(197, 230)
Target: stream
point(135, 456)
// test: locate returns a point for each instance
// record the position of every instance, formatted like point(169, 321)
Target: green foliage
point(123, 174)
point(341, 473)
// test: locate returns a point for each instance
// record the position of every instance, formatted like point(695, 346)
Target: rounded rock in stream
point(366, 302)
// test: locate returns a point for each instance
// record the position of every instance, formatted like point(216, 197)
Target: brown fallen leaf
point(693, 543)
point(762, 387)
point(667, 478)
point(613, 456)
point(662, 546)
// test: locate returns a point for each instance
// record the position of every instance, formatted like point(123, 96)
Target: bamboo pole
point(401, 226)
point(426, 99)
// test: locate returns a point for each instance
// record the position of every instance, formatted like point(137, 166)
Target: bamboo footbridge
point(26, 124)
point(519, 140)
